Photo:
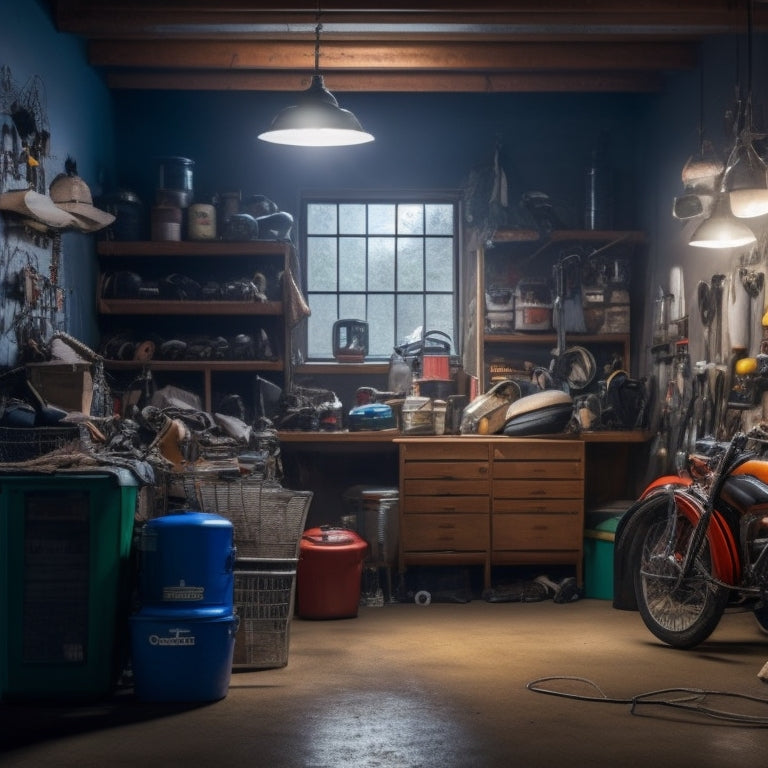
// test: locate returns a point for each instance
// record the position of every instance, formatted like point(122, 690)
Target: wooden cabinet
point(251, 333)
point(516, 257)
point(445, 503)
point(491, 501)
point(537, 513)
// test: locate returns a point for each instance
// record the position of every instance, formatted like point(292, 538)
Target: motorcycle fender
point(725, 557)
point(665, 483)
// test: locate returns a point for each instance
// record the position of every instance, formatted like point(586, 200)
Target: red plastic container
point(329, 573)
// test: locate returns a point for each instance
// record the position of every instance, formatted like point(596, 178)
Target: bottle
point(598, 206)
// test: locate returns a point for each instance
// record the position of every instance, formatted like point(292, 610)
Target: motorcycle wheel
point(680, 613)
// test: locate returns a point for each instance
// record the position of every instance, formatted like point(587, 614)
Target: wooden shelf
point(171, 307)
point(213, 257)
point(218, 366)
point(564, 235)
point(538, 339)
point(191, 248)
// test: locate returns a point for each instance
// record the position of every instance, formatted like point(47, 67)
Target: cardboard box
point(68, 385)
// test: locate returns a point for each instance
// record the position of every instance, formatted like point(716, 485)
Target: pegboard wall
point(32, 304)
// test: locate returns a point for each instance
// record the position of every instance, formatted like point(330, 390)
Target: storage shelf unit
point(527, 251)
point(170, 318)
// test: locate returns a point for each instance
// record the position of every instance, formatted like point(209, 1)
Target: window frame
point(373, 197)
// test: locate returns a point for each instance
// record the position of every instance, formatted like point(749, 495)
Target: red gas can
point(329, 573)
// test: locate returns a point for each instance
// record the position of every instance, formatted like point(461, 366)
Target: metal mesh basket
point(264, 596)
point(268, 519)
point(24, 443)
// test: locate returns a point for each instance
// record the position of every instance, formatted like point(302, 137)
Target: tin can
point(201, 221)
point(166, 223)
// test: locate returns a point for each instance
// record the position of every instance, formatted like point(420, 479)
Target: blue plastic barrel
point(186, 561)
point(182, 656)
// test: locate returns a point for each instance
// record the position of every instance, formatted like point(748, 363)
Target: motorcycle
point(696, 543)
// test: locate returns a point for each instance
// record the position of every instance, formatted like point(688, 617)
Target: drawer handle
point(447, 526)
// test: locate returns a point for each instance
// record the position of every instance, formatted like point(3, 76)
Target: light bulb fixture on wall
point(316, 120)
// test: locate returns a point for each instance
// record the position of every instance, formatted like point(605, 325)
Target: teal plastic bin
point(65, 582)
point(598, 559)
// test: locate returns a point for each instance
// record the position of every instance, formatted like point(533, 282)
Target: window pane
point(321, 263)
point(352, 306)
point(439, 310)
point(439, 219)
point(410, 315)
point(381, 219)
point(439, 264)
point(381, 310)
point(352, 264)
point(320, 325)
point(410, 264)
point(321, 219)
point(352, 219)
point(381, 264)
point(410, 219)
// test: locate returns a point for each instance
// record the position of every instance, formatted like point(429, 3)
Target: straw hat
point(70, 193)
point(39, 209)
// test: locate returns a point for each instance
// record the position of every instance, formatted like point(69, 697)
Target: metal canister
point(201, 221)
point(166, 223)
point(174, 183)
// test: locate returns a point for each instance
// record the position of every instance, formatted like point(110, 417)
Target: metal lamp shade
point(747, 183)
point(722, 230)
point(316, 121)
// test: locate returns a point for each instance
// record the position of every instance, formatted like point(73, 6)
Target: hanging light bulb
point(746, 175)
point(316, 120)
point(746, 179)
point(721, 229)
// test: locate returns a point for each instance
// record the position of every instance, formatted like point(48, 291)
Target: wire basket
point(264, 596)
point(268, 519)
point(25, 443)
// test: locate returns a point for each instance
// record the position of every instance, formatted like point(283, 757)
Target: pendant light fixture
point(316, 120)
point(746, 175)
point(721, 229)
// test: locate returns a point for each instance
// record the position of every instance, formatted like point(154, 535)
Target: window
point(392, 262)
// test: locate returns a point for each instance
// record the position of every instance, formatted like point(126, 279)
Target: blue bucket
point(186, 561)
point(182, 657)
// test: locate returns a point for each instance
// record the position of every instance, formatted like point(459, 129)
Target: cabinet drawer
point(537, 506)
point(471, 505)
point(539, 450)
point(435, 533)
point(544, 470)
point(447, 470)
point(445, 449)
point(446, 487)
point(538, 489)
point(540, 532)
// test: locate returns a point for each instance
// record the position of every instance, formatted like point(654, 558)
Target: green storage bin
point(65, 582)
point(598, 559)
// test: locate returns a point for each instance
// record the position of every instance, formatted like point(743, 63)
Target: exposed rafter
point(401, 46)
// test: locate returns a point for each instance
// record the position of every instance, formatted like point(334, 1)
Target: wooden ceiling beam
point(130, 18)
point(391, 82)
point(394, 56)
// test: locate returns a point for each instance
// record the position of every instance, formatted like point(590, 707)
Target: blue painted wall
point(79, 111)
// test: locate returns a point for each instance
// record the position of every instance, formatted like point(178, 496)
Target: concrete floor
point(443, 686)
